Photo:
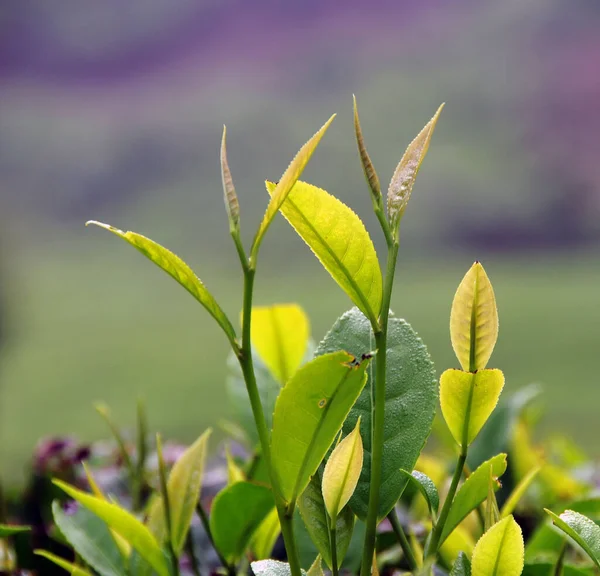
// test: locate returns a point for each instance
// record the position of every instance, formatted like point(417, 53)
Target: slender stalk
point(166, 506)
point(439, 527)
point(189, 546)
point(206, 524)
point(333, 546)
point(403, 541)
point(385, 225)
point(285, 512)
point(379, 413)
point(559, 568)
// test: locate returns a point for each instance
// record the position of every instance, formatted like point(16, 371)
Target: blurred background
point(114, 110)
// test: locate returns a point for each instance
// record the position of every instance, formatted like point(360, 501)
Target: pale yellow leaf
point(500, 551)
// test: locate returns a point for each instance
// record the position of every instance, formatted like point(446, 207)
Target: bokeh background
point(113, 110)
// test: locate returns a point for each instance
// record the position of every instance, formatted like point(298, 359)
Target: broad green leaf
point(467, 400)
point(236, 514)
point(69, 567)
point(231, 202)
point(473, 492)
point(178, 270)
point(474, 320)
point(183, 488)
point(309, 413)
point(339, 240)
point(285, 184)
point(404, 177)
point(266, 535)
point(125, 524)
point(11, 530)
point(461, 566)
point(91, 539)
point(367, 165)
point(280, 336)
point(342, 472)
point(499, 552)
point(314, 515)
point(272, 568)
point(518, 492)
point(316, 568)
point(585, 532)
point(411, 398)
point(426, 487)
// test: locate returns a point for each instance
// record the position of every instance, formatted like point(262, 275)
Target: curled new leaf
point(309, 413)
point(342, 472)
point(339, 240)
point(467, 400)
point(285, 184)
point(178, 270)
point(368, 168)
point(406, 172)
point(231, 201)
point(500, 551)
point(474, 320)
point(280, 336)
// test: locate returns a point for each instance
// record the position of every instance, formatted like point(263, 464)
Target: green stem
point(166, 507)
point(379, 414)
point(385, 225)
point(189, 545)
point(559, 568)
point(403, 541)
point(285, 512)
point(333, 545)
point(439, 527)
point(206, 524)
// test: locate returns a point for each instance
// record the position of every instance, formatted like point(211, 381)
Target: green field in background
point(113, 328)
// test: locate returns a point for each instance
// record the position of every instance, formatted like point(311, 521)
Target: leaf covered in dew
point(69, 567)
point(473, 492)
point(280, 333)
point(500, 551)
point(272, 568)
point(237, 512)
point(177, 269)
point(365, 159)
point(183, 489)
point(342, 472)
point(467, 400)
point(410, 402)
point(426, 487)
point(585, 532)
point(309, 413)
point(404, 177)
point(231, 201)
point(461, 566)
point(474, 320)
point(285, 184)
point(125, 524)
point(340, 241)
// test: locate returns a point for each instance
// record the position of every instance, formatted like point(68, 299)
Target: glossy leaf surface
point(426, 487)
point(585, 532)
point(461, 566)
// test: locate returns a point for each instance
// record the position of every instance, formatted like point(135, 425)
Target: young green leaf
point(286, 182)
point(473, 492)
point(91, 539)
point(500, 551)
point(231, 202)
point(316, 568)
point(368, 168)
point(309, 413)
point(461, 566)
point(236, 514)
point(10, 530)
point(404, 177)
point(280, 336)
point(178, 270)
point(272, 568)
point(266, 536)
point(426, 487)
point(342, 472)
point(411, 398)
point(314, 515)
point(467, 400)
point(125, 524)
point(339, 240)
point(474, 320)
point(69, 567)
point(183, 488)
point(585, 532)
point(234, 472)
point(518, 492)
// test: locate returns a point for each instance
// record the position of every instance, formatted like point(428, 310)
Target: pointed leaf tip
point(231, 201)
point(404, 177)
point(365, 159)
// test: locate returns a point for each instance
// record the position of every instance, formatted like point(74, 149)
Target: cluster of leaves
point(335, 433)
